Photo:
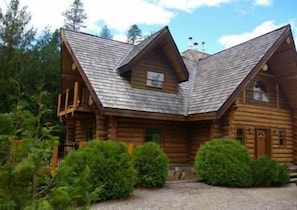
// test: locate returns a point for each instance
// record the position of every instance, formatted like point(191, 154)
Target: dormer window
point(154, 79)
point(260, 92)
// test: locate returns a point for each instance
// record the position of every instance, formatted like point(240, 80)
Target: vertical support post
point(59, 104)
point(130, 148)
point(277, 95)
point(75, 97)
point(66, 100)
point(244, 96)
point(54, 160)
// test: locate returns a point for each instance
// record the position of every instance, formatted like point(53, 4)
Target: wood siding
point(200, 133)
point(175, 136)
point(156, 61)
point(251, 117)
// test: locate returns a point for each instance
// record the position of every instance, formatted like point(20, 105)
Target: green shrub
point(267, 172)
point(151, 165)
point(224, 162)
point(96, 172)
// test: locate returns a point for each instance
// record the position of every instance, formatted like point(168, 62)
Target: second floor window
point(260, 92)
point(154, 79)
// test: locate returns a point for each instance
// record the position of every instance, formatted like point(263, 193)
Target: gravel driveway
point(197, 195)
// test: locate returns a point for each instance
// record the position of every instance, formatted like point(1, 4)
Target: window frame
point(282, 138)
point(242, 136)
point(260, 93)
point(152, 133)
point(154, 79)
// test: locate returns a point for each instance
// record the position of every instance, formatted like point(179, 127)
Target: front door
point(262, 143)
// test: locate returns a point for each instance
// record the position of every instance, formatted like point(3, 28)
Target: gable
point(163, 40)
point(156, 63)
point(222, 77)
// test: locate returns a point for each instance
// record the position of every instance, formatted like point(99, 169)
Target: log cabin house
point(150, 92)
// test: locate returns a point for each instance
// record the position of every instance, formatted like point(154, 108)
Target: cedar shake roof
point(212, 81)
point(219, 75)
point(99, 59)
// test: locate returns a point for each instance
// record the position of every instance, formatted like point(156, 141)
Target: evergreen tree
point(16, 38)
point(134, 34)
point(75, 16)
point(105, 32)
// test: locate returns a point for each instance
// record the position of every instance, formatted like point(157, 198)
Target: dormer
point(154, 64)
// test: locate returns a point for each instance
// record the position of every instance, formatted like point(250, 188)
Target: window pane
point(154, 135)
point(282, 137)
point(240, 134)
point(154, 79)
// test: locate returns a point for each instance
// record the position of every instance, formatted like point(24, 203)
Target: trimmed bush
point(224, 162)
point(98, 171)
point(267, 172)
point(151, 165)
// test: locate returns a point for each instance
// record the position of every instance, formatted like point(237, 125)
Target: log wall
point(250, 117)
point(295, 136)
point(175, 136)
point(200, 133)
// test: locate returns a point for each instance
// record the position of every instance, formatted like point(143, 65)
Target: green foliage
point(96, 172)
point(105, 33)
point(134, 34)
point(151, 165)
point(23, 179)
point(267, 172)
point(75, 16)
point(224, 162)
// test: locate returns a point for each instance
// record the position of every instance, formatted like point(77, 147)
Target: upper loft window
point(260, 92)
point(154, 79)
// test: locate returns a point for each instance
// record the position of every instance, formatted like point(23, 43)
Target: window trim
point(242, 140)
point(154, 79)
point(260, 93)
point(283, 138)
point(151, 134)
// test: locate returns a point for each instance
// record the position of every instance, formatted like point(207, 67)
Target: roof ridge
point(191, 87)
point(257, 37)
point(94, 35)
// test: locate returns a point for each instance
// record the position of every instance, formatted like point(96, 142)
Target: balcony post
point(66, 100)
point(75, 97)
point(59, 104)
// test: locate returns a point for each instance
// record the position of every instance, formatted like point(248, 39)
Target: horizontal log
point(175, 150)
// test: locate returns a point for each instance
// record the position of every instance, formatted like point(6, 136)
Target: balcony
point(74, 99)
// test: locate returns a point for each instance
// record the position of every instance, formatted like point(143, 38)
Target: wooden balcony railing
point(74, 99)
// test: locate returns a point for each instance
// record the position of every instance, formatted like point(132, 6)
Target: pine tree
point(134, 34)
point(16, 38)
point(75, 16)
point(105, 32)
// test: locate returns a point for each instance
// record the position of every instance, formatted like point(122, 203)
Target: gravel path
point(197, 195)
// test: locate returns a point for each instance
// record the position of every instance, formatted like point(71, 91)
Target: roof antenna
point(203, 43)
point(190, 42)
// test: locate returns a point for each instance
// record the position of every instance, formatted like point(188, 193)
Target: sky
point(219, 23)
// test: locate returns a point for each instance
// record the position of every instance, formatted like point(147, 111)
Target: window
point(154, 135)
point(154, 79)
point(89, 133)
point(282, 138)
point(240, 135)
point(260, 92)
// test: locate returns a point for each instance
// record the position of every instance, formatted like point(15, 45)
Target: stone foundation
point(182, 173)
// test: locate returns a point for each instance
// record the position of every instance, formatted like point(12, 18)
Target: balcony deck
point(74, 99)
